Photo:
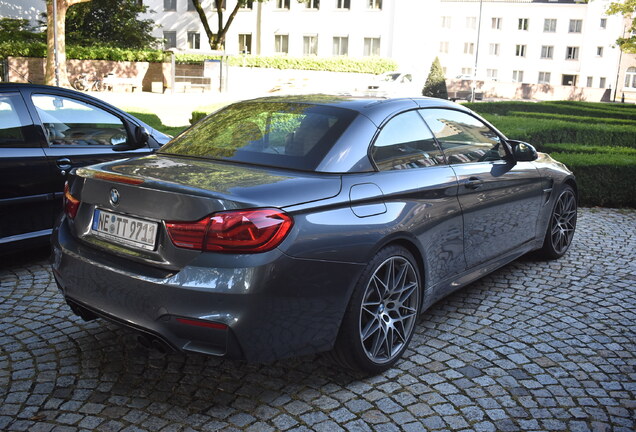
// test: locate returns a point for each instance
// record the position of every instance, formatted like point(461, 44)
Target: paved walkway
point(535, 346)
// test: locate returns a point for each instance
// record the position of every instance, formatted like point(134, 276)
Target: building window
point(517, 76)
point(245, 43)
point(493, 49)
point(313, 4)
point(572, 53)
point(549, 25)
point(601, 82)
point(599, 51)
point(491, 74)
point(194, 40)
point(569, 80)
point(343, 4)
point(374, 4)
point(222, 5)
point(469, 47)
point(169, 39)
point(249, 4)
point(603, 23)
point(443, 47)
point(446, 22)
point(471, 22)
point(371, 47)
point(575, 26)
point(496, 23)
point(281, 44)
point(282, 4)
point(589, 81)
point(310, 45)
point(169, 5)
point(547, 52)
point(523, 23)
point(191, 6)
point(520, 50)
point(544, 78)
point(467, 71)
point(630, 77)
point(341, 45)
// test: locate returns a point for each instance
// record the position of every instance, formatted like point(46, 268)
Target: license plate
point(125, 229)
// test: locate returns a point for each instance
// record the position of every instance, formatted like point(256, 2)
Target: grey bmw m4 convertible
point(285, 226)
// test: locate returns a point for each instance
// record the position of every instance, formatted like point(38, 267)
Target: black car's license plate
point(124, 229)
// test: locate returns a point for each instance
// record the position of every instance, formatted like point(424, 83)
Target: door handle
point(63, 163)
point(473, 183)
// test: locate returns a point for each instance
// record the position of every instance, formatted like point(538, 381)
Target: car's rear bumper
point(282, 308)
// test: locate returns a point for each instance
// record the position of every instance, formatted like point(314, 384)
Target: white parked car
point(394, 84)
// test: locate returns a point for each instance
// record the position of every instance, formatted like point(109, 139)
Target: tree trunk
point(60, 26)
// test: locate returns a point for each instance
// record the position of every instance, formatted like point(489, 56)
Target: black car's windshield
point(279, 134)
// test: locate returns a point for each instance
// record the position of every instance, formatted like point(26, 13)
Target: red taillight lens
point(243, 231)
point(71, 204)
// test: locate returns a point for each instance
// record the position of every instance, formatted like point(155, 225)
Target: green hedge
point(539, 132)
point(569, 108)
point(605, 180)
point(374, 65)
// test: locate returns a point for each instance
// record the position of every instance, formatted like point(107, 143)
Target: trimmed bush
point(580, 109)
point(539, 132)
point(605, 180)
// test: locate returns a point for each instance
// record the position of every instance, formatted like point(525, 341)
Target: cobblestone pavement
point(534, 346)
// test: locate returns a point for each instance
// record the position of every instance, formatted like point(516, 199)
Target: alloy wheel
point(563, 222)
point(389, 309)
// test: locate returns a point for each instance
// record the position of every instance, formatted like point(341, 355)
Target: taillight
point(242, 231)
point(71, 204)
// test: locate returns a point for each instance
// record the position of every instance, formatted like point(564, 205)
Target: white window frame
point(313, 4)
point(446, 22)
point(576, 26)
point(374, 4)
point(469, 48)
point(520, 50)
point(194, 40)
point(471, 23)
point(547, 52)
point(495, 23)
point(524, 24)
point(492, 74)
point(544, 78)
point(373, 47)
point(310, 44)
point(339, 50)
point(243, 42)
point(572, 53)
point(630, 78)
point(549, 25)
point(281, 43)
point(443, 47)
point(493, 49)
point(517, 76)
point(343, 4)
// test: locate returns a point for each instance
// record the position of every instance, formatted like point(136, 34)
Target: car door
point(413, 176)
point(500, 198)
point(26, 190)
point(79, 132)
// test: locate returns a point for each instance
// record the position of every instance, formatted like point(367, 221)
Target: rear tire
point(561, 227)
point(380, 319)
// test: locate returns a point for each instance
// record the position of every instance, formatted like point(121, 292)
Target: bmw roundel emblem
point(114, 196)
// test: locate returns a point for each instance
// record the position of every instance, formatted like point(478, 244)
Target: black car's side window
point(13, 120)
point(463, 137)
point(69, 121)
point(405, 142)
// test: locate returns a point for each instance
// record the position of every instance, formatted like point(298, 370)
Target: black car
point(45, 132)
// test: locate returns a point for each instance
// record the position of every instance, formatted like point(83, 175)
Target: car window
point(463, 137)
point(286, 135)
point(68, 121)
point(405, 142)
point(13, 120)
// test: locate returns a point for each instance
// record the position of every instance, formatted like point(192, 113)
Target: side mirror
point(523, 152)
point(139, 140)
point(141, 136)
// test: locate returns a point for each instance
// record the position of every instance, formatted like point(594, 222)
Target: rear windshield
point(283, 135)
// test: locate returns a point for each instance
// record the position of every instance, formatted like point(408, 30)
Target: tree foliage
point(626, 8)
point(16, 30)
point(217, 40)
point(435, 85)
point(112, 23)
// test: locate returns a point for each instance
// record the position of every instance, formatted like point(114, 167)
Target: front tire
point(381, 316)
point(561, 227)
